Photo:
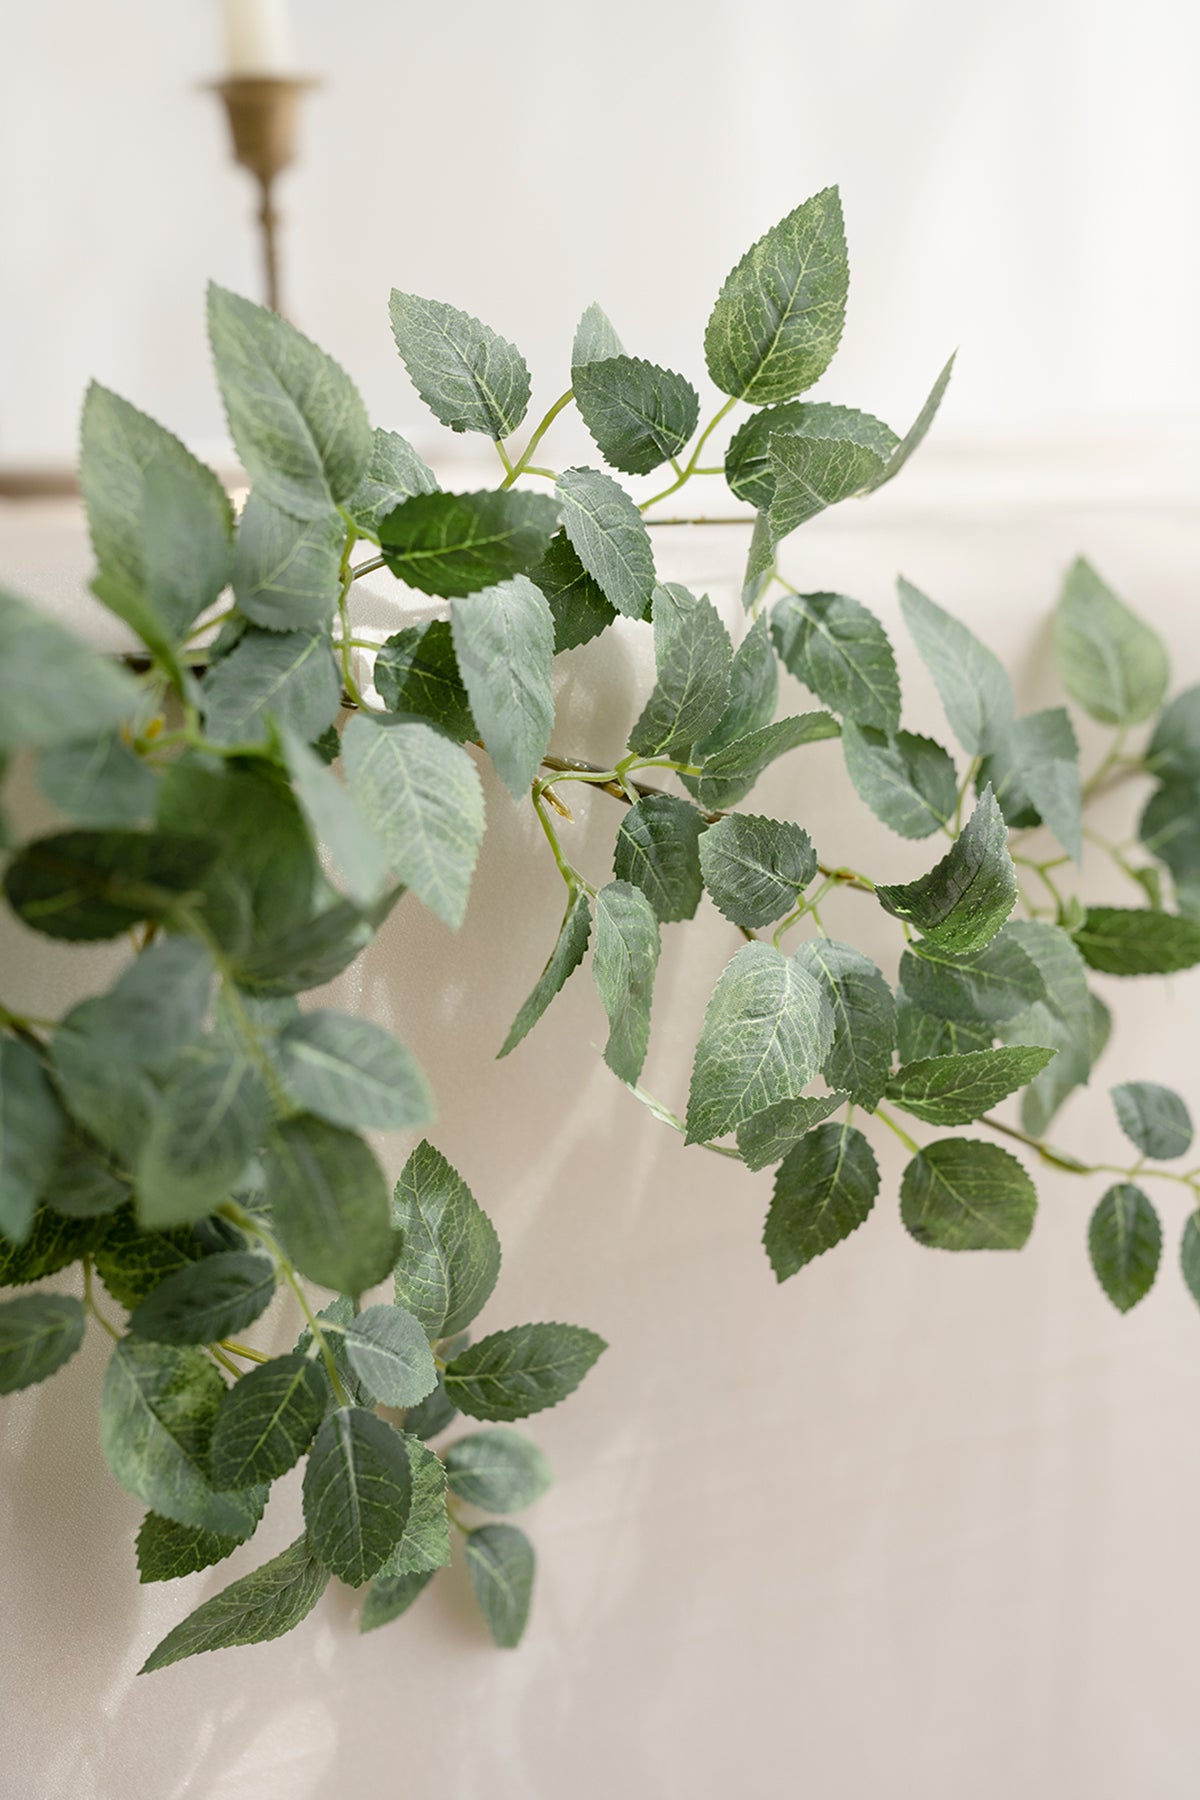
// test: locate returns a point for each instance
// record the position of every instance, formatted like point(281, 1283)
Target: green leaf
point(638, 414)
point(85, 885)
point(287, 676)
point(962, 902)
point(394, 473)
point(973, 684)
point(1173, 752)
point(335, 820)
point(310, 954)
point(1034, 774)
point(658, 850)
point(841, 653)
point(296, 418)
point(1136, 941)
point(1125, 1243)
point(351, 1072)
point(908, 781)
point(983, 987)
point(432, 1415)
point(749, 469)
point(425, 1543)
point(421, 793)
point(1114, 666)
point(165, 1550)
point(914, 437)
point(390, 1354)
point(1062, 1018)
point(32, 1128)
point(450, 1254)
point(266, 1421)
point(1073, 1065)
point(390, 1596)
point(778, 318)
point(595, 338)
point(84, 1183)
point(954, 1090)
point(131, 1262)
point(453, 544)
point(468, 376)
point(330, 1203)
point(265, 1604)
point(565, 958)
point(1155, 1119)
point(864, 1017)
point(207, 1301)
point(501, 1563)
point(624, 966)
point(959, 1194)
point(111, 1093)
point(692, 655)
point(577, 603)
point(357, 1493)
point(53, 689)
point(98, 782)
point(38, 1334)
point(416, 672)
point(187, 544)
point(211, 1118)
point(756, 868)
point(760, 563)
point(504, 642)
point(753, 691)
point(920, 1035)
point(766, 1033)
point(769, 1135)
point(53, 1242)
point(499, 1471)
point(824, 1190)
point(1189, 1256)
point(811, 474)
point(1169, 828)
point(729, 773)
point(156, 1417)
point(609, 538)
point(513, 1373)
point(286, 572)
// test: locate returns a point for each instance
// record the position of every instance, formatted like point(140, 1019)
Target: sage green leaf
point(452, 544)
point(131, 1262)
point(499, 1471)
point(286, 572)
point(394, 473)
point(266, 1421)
point(959, 1194)
point(32, 1128)
point(972, 683)
point(165, 1550)
point(753, 691)
point(914, 437)
point(658, 850)
point(624, 966)
point(98, 782)
point(296, 418)
point(83, 1182)
point(449, 1252)
point(38, 1334)
point(357, 1493)
point(756, 868)
point(207, 1300)
point(760, 563)
point(769, 1135)
point(287, 676)
point(908, 781)
point(523, 1370)
point(1062, 1018)
point(812, 474)
point(390, 1596)
point(53, 1242)
point(1173, 752)
point(155, 1010)
point(778, 318)
point(425, 1543)
point(156, 1418)
point(1155, 1119)
point(920, 1035)
point(766, 1033)
point(1136, 941)
point(864, 1017)
point(692, 655)
point(416, 672)
point(749, 469)
point(351, 1072)
point(504, 643)
point(211, 1118)
point(1034, 773)
point(841, 653)
point(390, 1354)
point(577, 602)
point(53, 689)
point(469, 377)
point(187, 543)
point(1073, 1065)
point(824, 1189)
point(1112, 664)
point(265, 1604)
point(1125, 1243)
point(432, 1415)
point(1189, 1256)
point(335, 820)
point(310, 954)
point(86, 885)
point(638, 414)
point(501, 1563)
point(595, 338)
point(728, 774)
point(982, 987)
point(1169, 829)
point(565, 958)
point(955, 1090)
point(609, 538)
point(421, 793)
point(963, 901)
point(330, 1204)
point(113, 1095)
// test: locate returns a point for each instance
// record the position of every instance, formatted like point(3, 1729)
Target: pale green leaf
point(1173, 752)
point(749, 469)
point(753, 690)
point(32, 1129)
point(501, 1563)
point(98, 782)
point(914, 437)
point(286, 571)
point(908, 781)
point(336, 820)
point(812, 474)
point(504, 643)
point(1033, 771)
point(983, 987)
point(425, 1543)
point(390, 1354)
point(769, 1135)
point(1110, 662)
point(211, 1117)
point(287, 676)
point(266, 1421)
point(53, 689)
point(499, 1470)
point(658, 850)
point(864, 1017)
point(1155, 1119)
point(1137, 941)
point(692, 655)
point(357, 1493)
point(351, 1072)
point(841, 653)
point(595, 338)
point(624, 966)
point(638, 414)
point(962, 902)
point(973, 684)
point(394, 473)
point(449, 1253)
point(609, 538)
point(469, 377)
point(756, 868)
point(390, 1596)
point(206, 1301)
point(728, 774)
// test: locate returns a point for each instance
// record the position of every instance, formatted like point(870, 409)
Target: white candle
point(257, 38)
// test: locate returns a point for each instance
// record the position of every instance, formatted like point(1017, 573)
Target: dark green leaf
point(769, 1135)
point(53, 689)
point(908, 781)
point(286, 572)
point(84, 1182)
point(824, 1190)
point(1125, 1243)
point(389, 1596)
point(96, 884)
point(811, 474)
point(513, 1373)
point(658, 850)
point(609, 538)
point(266, 1421)
point(504, 642)
point(692, 655)
point(753, 691)
point(166, 1550)
point(755, 868)
point(351, 1072)
point(638, 414)
point(287, 676)
point(958, 1194)
point(987, 986)
point(416, 672)
point(38, 1334)
point(973, 684)
point(425, 1543)
point(1112, 664)
point(211, 1118)
point(53, 1242)
point(915, 435)
point(962, 903)
point(469, 377)
point(1133, 941)
point(394, 473)
point(131, 1262)
point(260, 1606)
point(357, 1493)
point(766, 1033)
point(624, 966)
point(730, 772)
point(864, 1017)
point(98, 782)
point(499, 1471)
point(330, 1204)
point(207, 1301)
point(450, 1254)
point(1154, 1119)
point(501, 1563)
point(432, 1416)
point(954, 1090)
point(921, 1034)
point(577, 602)
point(749, 469)
point(841, 653)
point(452, 544)
point(390, 1354)
point(32, 1128)
point(565, 958)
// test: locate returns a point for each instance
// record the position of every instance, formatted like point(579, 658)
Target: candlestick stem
point(268, 219)
point(262, 112)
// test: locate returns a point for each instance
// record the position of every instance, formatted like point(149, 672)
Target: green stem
point(569, 873)
point(502, 453)
point(523, 461)
point(368, 567)
point(208, 625)
point(89, 1301)
point(910, 1144)
point(1096, 780)
point(253, 1227)
point(693, 464)
point(235, 1349)
point(218, 1355)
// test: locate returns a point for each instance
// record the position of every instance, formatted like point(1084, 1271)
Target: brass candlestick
point(263, 115)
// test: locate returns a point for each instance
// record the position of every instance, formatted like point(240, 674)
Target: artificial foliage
point(243, 808)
